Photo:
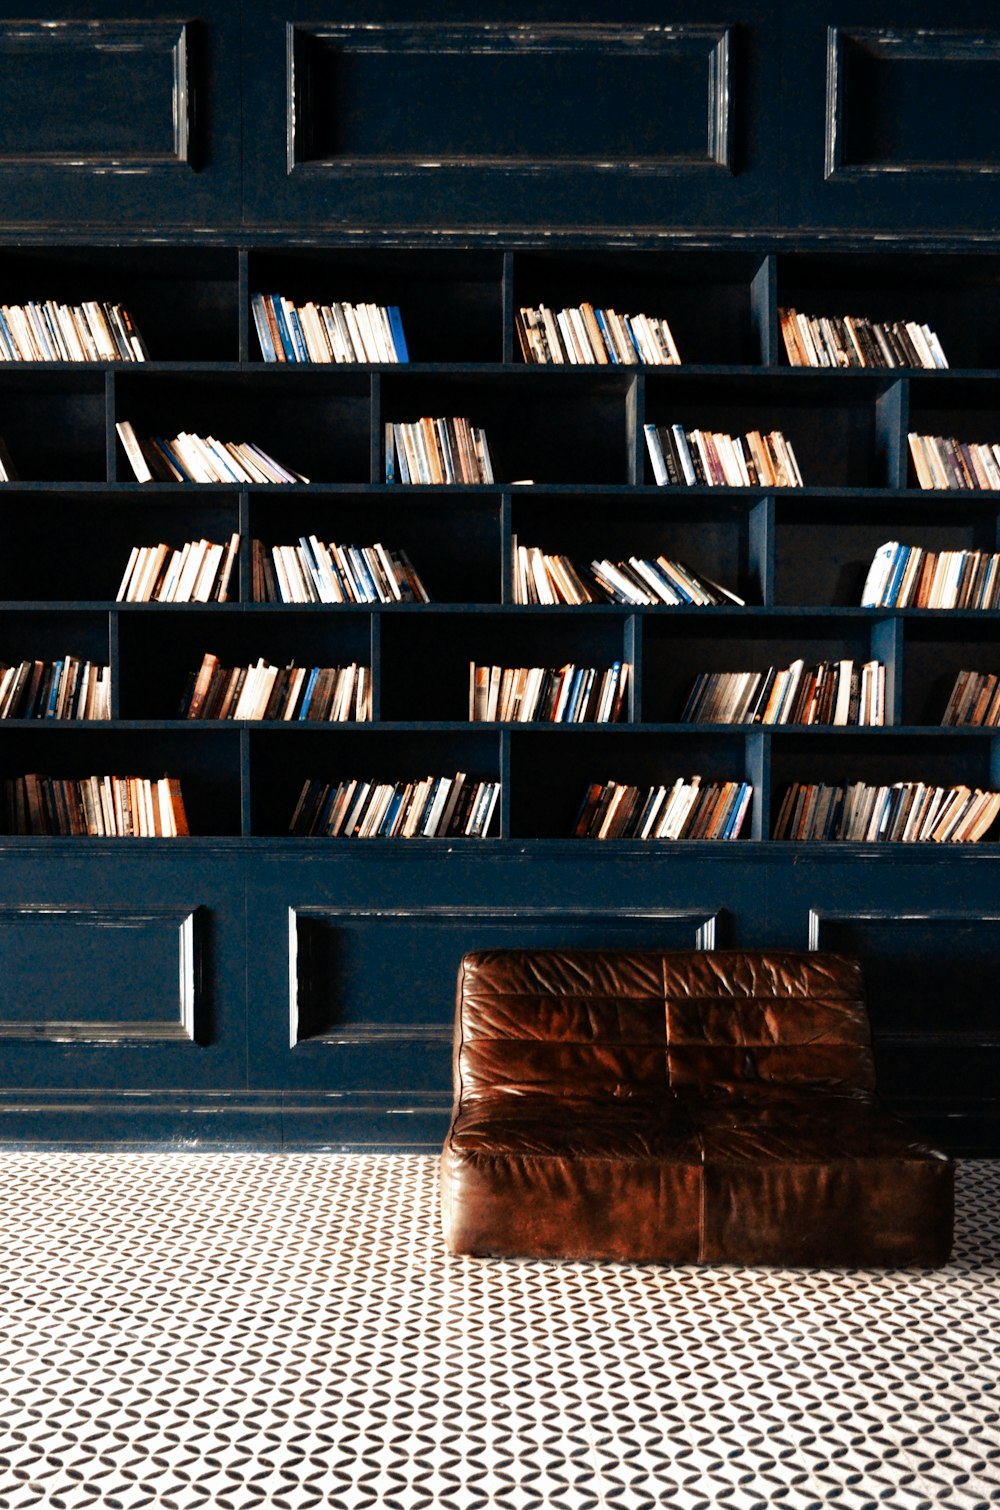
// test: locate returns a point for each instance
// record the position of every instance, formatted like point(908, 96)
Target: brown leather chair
point(680, 1107)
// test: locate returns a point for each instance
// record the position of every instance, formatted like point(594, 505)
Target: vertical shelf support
point(887, 646)
point(635, 418)
point(507, 308)
point(764, 311)
point(892, 412)
point(758, 767)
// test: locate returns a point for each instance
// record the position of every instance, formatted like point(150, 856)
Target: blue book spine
point(263, 328)
point(287, 344)
point(398, 338)
point(301, 349)
point(8, 340)
point(895, 577)
point(57, 672)
point(307, 694)
point(632, 337)
point(364, 577)
point(609, 345)
point(165, 450)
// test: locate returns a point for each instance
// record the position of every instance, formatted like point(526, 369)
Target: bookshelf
point(376, 927)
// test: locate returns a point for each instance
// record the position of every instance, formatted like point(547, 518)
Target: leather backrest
point(626, 1023)
point(571, 1022)
point(739, 1017)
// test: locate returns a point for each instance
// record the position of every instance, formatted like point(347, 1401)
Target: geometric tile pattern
point(285, 1330)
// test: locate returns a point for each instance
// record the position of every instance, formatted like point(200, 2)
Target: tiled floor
point(285, 1330)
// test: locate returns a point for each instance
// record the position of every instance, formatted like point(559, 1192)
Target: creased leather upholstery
point(679, 1106)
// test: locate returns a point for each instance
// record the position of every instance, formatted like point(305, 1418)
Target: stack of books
point(907, 576)
point(442, 807)
point(948, 463)
point(587, 336)
point(327, 332)
point(437, 451)
point(551, 579)
point(199, 572)
point(685, 810)
point(106, 807)
point(67, 688)
point(45, 331)
point(907, 812)
point(317, 694)
point(713, 459)
point(533, 694)
point(975, 699)
point(196, 458)
point(831, 692)
point(856, 341)
point(312, 572)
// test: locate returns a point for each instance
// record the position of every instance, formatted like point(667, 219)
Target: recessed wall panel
point(88, 94)
point(910, 100)
point(517, 95)
point(97, 974)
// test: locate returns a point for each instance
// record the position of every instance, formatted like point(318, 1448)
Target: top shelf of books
point(378, 306)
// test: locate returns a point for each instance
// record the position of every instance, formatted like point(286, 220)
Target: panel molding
point(171, 39)
point(920, 45)
point(704, 925)
point(711, 44)
point(114, 919)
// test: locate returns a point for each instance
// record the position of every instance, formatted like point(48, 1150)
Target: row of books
point(906, 812)
point(831, 692)
point(65, 688)
point(327, 332)
point(448, 450)
point(187, 457)
point(106, 807)
point(8, 471)
point(944, 462)
point(317, 694)
point(908, 576)
point(684, 810)
point(856, 341)
point(711, 458)
point(534, 694)
point(199, 572)
point(47, 331)
point(586, 336)
point(312, 572)
point(974, 699)
point(550, 579)
point(443, 807)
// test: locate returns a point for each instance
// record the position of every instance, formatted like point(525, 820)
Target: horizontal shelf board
point(770, 372)
point(759, 613)
point(488, 851)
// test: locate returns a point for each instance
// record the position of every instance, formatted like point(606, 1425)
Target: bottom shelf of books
point(523, 783)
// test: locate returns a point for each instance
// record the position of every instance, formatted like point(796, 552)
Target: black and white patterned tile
point(241, 1329)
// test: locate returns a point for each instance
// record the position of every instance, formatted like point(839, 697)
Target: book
point(585, 335)
point(856, 341)
point(713, 458)
point(119, 807)
point(337, 332)
point(905, 812)
point(457, 806)
point(436, 451)
point(314, 572)
point(200, 571)
point(327, 694)
point(943, 462)
point(47, 331)
point(68, 688)
point(829, 692)
point(187, 457)
point(687, 808)
point(536, 694)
